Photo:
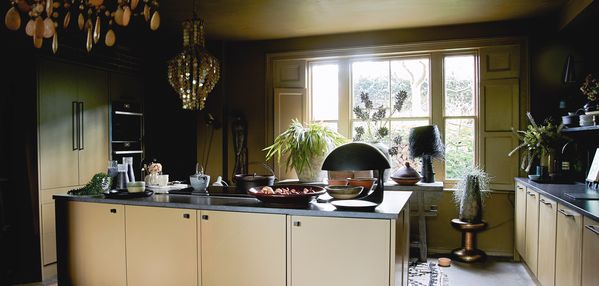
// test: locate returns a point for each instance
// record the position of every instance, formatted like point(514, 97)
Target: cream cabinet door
point(521, 220)
point(590, 252)
point(329, 251)
point(161, 246)
point(532, 230)
point(96, 244)
point(568, 247)
point(252, 245)
point(547, 233)
point(57, 129)
point(93, 97)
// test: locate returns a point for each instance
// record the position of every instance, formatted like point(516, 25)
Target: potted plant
point(590, 88)
point(539, 142)
point(305, 147)
point(470, 193)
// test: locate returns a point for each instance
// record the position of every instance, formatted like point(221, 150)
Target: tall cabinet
point(73, 132)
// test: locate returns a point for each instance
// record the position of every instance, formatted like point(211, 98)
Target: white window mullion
point(437, 105)
point(345, 96)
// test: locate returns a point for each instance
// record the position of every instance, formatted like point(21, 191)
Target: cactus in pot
point(470, 194)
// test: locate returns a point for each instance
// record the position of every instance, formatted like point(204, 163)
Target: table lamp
point(425, 142)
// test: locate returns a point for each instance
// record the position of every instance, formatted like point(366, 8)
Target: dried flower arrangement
point(590, 87)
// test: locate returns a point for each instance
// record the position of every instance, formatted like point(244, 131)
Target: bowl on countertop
point(367, 183)
point(344, 192)
point(136, 187)
point(337, 182)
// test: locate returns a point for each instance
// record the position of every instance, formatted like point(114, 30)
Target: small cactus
point(470, 194)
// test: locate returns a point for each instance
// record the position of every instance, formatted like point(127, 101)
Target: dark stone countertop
point(589, 208)
point(393, 204)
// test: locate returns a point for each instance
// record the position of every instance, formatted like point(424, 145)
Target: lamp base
point(428, 175)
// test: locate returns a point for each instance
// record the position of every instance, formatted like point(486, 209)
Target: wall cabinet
point(568, 248)
point(590, 252)
point(73, 132)
point(532, 230)
point(547, 234)
point(162, 246)
point(340, 251)
point(253, 245)
point(520, 231)
point(96, 250)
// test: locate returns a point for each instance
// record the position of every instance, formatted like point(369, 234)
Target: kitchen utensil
point(121, 181)
point(116, 194)
point(300, 199)
point(199, 182)
point(570, 120)
point(344, 192)
point(247, 181)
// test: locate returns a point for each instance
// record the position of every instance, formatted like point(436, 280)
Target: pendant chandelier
point(194, 72)
point(46, 17)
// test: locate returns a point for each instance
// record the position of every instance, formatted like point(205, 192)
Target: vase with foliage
point(306, 147)
point(470, 193)
point(539, 142)
point(376, 125)
point(590, 89)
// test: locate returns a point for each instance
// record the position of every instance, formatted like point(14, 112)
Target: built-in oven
point(127, 133)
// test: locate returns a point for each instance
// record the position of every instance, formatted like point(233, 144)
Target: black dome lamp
point(358, 156)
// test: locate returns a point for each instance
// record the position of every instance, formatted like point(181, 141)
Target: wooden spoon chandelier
point(194, 72)
point(46, 17)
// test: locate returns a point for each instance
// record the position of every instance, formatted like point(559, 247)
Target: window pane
point(412, 77)
point(330, 125)
point(459, 146)
point(459, 85)
point(398, 142)
point(325, 92)
point(371, 78)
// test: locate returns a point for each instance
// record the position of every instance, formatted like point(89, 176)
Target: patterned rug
point(426, 274)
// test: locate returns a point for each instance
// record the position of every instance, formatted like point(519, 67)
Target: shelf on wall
point(580, 129)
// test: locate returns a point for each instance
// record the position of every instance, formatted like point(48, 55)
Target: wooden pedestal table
point(468, 252)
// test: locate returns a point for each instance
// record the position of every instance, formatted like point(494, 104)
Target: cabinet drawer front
point(520, 209)
point(547, 234)
point(353, 252)
point(590, 252)
point(532, 229)
point(568, 254)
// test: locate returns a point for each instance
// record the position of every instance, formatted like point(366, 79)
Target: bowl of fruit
point(286, 194)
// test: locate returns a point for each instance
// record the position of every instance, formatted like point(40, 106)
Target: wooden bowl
point(299, 199)
point(344, 192)
point(337, 182)
point(406, 181)
point(367, 183)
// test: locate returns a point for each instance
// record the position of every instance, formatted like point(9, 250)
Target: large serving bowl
point(288, 199)
point(344, 192)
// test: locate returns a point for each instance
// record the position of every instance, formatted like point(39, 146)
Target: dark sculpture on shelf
point(425, 142)
point(239, 129)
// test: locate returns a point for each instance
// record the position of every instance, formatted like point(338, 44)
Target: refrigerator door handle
point(75, 125)
point(81, 125)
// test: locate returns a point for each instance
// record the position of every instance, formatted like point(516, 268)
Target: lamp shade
point(426, 140)
point(356, 156)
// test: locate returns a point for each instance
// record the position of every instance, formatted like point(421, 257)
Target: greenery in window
point(375, 118)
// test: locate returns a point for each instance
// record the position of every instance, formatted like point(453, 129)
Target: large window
point(381, 98)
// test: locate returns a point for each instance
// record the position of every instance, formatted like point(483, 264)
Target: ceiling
point(275, 19)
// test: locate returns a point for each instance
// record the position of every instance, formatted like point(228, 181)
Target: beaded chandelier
point(46, 17)
point(194, 72)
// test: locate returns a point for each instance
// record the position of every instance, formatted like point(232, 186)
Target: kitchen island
point(198, 240)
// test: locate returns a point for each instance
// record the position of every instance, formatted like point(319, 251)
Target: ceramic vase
point(313, 172)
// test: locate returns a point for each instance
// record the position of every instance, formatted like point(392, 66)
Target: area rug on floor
point(426, 274)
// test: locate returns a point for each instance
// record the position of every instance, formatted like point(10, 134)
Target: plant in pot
point(305, 147)
point(470, 193)
point(539, 142)
point(590, 88)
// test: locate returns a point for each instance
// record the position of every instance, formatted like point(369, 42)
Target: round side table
point(468, 252)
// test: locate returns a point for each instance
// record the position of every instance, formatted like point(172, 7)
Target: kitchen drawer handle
point(564, 212)
point(531, 194)
point(545, 202)
point(112, 211)
point(297, 223)
point(593, 228)
point(186, 216)
point(205, 217)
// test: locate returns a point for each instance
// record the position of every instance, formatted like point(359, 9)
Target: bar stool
point(468, 252)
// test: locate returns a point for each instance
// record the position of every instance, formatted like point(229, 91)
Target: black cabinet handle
point(593, 228)
point(75, 124)
point(205, 217)
point(113, 211)
point(546, 203)
point(186, 216)
point(81, 126)
point(297, 223)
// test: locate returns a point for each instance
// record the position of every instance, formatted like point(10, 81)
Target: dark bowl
point(287, 199)
point(570, 120)
point(406, 181)
point(248, 181)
